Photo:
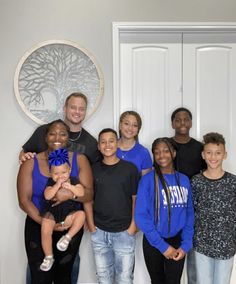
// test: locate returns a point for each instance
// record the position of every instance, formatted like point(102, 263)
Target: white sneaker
point(47, 263)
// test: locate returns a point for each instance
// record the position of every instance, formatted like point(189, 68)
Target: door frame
point(135, 28)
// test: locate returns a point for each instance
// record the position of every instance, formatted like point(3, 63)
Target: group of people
point(182, 200)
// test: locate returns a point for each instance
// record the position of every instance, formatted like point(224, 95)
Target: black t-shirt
point(114, 186)
point(188, 159)
point(80, 142)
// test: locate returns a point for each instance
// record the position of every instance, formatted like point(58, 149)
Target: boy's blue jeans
point(191, 267)
point(213, 271)
point(114, 256)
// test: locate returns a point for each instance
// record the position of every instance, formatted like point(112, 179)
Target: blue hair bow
point(58, 157)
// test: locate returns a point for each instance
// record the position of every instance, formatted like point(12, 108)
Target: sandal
point(47, 263)
point(63, 243)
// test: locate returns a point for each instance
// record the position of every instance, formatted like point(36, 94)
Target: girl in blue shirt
point(164, 213)
point(129, 148)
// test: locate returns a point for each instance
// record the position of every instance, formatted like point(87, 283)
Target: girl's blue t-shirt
point(138, 155)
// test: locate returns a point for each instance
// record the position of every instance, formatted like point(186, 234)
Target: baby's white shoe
point(47, 263)
point(63, 243)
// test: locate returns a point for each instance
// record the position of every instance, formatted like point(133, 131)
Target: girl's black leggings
point(160, 269)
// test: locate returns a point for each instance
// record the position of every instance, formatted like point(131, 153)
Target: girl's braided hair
point(172, 147)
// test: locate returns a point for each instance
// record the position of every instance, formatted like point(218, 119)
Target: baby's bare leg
point(76, 221)
point(46, 235)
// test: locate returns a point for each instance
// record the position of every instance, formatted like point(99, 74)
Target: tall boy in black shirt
point(188, 161)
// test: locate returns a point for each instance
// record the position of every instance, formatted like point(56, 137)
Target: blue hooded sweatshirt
point(182, 214)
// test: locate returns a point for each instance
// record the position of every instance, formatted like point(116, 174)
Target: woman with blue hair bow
point(69, 213)
point(32, 181)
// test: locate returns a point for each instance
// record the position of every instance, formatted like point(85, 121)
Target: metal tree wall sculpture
point(47, 74)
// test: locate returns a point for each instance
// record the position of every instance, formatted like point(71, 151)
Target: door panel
point(151, 83)
point(209, 88)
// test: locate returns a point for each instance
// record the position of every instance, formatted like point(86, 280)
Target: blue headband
point(58, 157)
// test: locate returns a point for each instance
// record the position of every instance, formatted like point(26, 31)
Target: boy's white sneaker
point(47, 263)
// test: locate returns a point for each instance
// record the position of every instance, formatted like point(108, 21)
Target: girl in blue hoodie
point(164, 213)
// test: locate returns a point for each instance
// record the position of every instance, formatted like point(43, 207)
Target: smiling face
point(182, 123)
point(163, 156)
point(75, 110)
point(57, 136)
point(60, 172)
point(108, 144)
point(214, 155)
point(129, 127)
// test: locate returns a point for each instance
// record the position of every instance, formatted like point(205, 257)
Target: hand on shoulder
point(26, 156)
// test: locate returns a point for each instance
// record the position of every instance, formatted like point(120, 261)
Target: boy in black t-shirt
point(111, 220)
point(188, 161)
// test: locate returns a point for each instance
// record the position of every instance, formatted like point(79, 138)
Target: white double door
point(162, 71)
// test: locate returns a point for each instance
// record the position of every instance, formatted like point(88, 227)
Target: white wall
point(27, 22)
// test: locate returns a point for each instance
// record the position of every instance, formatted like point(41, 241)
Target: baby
point(69, 213)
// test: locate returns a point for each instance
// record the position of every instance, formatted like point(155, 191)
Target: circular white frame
point(52, 70)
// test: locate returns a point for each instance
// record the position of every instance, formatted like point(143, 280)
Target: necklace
point(77, 137)
point(124, 152)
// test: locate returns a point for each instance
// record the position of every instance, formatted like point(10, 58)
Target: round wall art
point(51, 71)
